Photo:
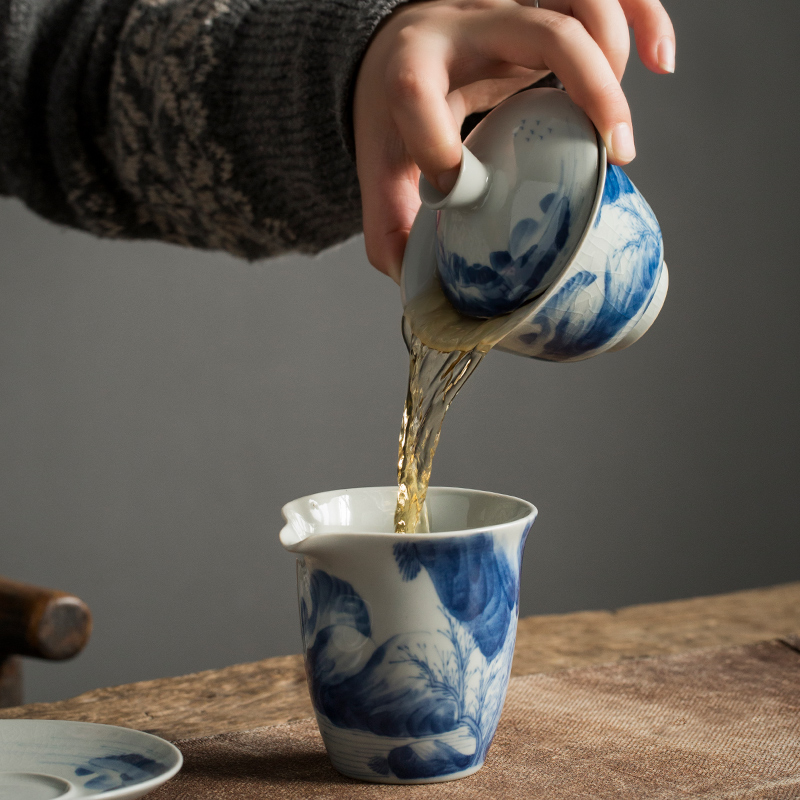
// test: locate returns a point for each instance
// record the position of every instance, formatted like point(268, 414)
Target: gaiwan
point(542, 234)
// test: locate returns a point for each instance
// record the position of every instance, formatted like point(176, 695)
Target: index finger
point(538, 38)
point(418, 83)
point(653, 31)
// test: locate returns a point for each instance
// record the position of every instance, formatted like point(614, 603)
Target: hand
point(430, 64)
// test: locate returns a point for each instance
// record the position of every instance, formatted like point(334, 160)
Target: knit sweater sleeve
point(221, 124)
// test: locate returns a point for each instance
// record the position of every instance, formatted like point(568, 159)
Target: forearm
point(214, 124)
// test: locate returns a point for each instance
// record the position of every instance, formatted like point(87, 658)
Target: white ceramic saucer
point(48, 759)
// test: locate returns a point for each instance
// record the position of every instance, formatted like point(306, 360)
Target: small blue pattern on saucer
point(114, 772)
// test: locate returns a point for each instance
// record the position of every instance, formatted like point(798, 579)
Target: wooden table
point(274, 691)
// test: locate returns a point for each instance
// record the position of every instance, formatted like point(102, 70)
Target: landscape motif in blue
point(515, 275)
point(424, 684)
point(114, 772)
point(628, 218)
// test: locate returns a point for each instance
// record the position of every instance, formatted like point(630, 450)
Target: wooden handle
point(10, 681)
point(41, 622)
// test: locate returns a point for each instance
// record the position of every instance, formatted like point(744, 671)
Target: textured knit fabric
point(223, 124)
point(720, 724)
point(213, 123)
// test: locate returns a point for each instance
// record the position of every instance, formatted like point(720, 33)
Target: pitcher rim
point(531, 513)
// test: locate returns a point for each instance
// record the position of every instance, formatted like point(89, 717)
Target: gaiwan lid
point(519, 207)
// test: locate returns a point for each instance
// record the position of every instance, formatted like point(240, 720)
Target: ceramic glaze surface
point(611, 281)
point(541, 153)
point(408, 640)
point(54, 758)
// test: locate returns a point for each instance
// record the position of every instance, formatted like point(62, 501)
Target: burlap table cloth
point(719, 724)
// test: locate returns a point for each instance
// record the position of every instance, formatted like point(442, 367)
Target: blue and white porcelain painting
point(48, 759)
point(408, 638)
point(537, 166)
point(611, 283)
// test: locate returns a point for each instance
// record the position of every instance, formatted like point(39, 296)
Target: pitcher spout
point(299, 539)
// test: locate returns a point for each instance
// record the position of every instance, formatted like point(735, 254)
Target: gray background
point(158, 405)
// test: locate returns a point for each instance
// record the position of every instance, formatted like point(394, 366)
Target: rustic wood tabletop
point(274, 691)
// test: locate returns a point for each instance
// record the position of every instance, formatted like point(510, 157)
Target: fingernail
point(622, 147)
point(447, 179)
point(666, 54)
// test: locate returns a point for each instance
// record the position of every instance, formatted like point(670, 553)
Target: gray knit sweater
point(222, 124)
point(213, 123)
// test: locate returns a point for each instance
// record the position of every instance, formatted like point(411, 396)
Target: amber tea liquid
point(444, 349)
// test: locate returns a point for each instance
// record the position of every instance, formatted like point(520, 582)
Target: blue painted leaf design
point(475, 583)
point(500, 260)
point(335, 602)
point(617, 184)
point(388, 696)
point(512, 276)
point(379, 765)
point(566, 333)
point(406, 557)
point(521, 234)
point(426, 760)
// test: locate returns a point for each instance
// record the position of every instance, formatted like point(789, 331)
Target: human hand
point(432, 63)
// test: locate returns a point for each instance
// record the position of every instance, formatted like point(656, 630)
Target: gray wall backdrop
point(158, 405)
